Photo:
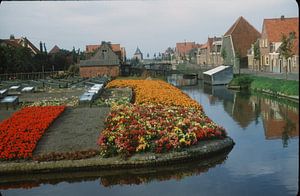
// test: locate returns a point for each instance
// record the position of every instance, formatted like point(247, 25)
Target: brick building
point(237, 41)
point(270, 41)
point(104, 62)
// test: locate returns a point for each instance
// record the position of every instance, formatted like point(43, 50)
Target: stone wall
point(93, 71)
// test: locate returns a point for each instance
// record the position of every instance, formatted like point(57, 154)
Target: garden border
point(202, 150)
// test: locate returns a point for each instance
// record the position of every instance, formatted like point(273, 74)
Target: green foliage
point(275, 86)
point(223, 53)
point(244, 81)
point(16, 58)
point(286, 46)
point(256, 50)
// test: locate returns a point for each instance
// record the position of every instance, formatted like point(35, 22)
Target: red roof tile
point(185, 47)
point(114, 47)
point(243, 34)
point(274, 28)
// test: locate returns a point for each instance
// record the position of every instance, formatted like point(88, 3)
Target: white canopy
point(215, 70)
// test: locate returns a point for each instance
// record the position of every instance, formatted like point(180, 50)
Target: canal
point(264, 160)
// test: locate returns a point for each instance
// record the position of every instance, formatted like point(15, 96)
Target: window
point(267, 60)
point(272, 47)
point(266, 43)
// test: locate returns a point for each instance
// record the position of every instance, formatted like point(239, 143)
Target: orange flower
point(156, 91)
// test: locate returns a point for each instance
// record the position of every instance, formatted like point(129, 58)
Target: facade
point(103, 62)
point(236, 43)
point(182, 50)
point(210, 52)
point(138, 55)
point(116, 48)
point(203, 57)
point(20, 42)
point(270, 41)
point(215, 53)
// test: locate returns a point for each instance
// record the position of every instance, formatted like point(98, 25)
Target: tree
point(223, 54)
point(238, 61)
point(256, 52)
point(286, 48)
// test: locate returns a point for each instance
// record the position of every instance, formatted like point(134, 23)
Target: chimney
point(282, 17)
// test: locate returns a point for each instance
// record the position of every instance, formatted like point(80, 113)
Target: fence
point(27, 76)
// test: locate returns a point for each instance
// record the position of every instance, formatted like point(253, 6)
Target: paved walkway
point(290, 76)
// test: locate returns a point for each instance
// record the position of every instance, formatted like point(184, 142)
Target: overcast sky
point(151, 25)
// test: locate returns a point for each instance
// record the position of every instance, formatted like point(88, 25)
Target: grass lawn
point(287, 87)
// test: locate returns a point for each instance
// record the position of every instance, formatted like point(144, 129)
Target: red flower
point(20, 133)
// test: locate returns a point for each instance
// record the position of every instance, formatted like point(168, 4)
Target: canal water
point(264, 160)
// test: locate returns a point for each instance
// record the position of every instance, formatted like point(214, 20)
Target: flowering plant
point(156, 128)
point(20, 133)
point(162, 118)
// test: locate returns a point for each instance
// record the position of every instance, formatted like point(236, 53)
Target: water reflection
point(108, 178)
point(182, 80)
point(280, 118)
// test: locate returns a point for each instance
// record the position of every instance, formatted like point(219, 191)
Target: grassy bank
point(271, 85)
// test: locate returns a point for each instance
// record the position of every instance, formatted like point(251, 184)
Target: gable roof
point(54, 50)
point(103, 57)
point(243, 34)
point(21, 42)
point(274, 28)
point(185, 47)
point(138, 51)
point(93, 47)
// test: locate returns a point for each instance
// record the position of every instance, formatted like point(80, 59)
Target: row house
point(183, 49)
point(236, 43)
point(210, 52)
point(270, 41)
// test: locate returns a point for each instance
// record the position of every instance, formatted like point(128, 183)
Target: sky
point(152, 25)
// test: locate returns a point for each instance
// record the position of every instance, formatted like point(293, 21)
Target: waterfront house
point(182, 50)
point(203, 57)
point(210, 52)
point(103, 62)
point(270, 41)
point(236, 43)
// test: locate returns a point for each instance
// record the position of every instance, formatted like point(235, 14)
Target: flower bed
point(155, 128)
point(162, 119)
point(20, 133)
point(156, 91)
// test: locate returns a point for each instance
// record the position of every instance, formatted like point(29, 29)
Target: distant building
point(54, 50)
point(215, 52)
point(182, 50)
point(103, 62)
point(116, 48)
point(19, 42)
point(138, 54)
point(270, 41)
point(236, 43)
point(203, 54)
